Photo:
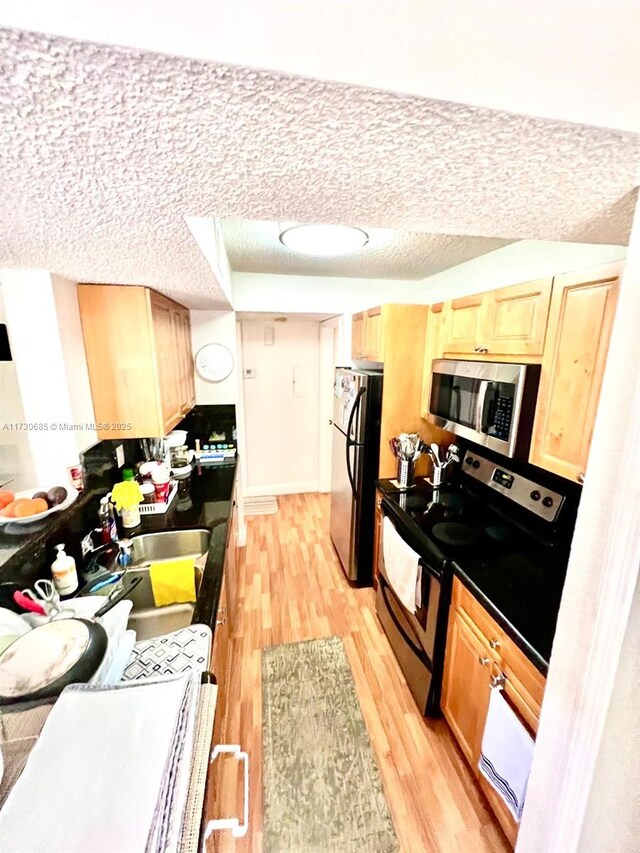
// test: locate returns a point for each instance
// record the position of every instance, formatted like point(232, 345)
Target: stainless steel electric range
point(505, 529)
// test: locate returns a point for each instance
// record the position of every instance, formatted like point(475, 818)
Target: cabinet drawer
point(516, 666)
point(485, 625)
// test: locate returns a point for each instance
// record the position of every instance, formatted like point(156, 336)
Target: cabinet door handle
point(495, 644)
point(483, 661)
point(581, 478)
point(222, 616)
point(238, 830)
point(498, 680)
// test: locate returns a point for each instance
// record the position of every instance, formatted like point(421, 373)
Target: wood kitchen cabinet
point(377, 538)
point(580, 322)
point(511, 322)
point(138, 347)
point(479, 651)
point(433, 348)
point(463, 332)
point(374, 334)
point(231, 566)
point(367, 334)
point(358, 340)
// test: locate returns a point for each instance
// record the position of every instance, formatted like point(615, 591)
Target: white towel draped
point(402, 566)
point(507, 752)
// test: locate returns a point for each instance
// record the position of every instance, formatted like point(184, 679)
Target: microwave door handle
point(480, 405)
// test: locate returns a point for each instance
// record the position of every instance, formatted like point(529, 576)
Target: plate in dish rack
point(72, 494)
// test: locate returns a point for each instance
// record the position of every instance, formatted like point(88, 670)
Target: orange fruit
point(7, 511)
point(6, 497)
point(25, 508)
point(38, 505)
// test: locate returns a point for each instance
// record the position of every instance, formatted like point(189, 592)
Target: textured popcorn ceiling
point(255, 247)
point(104, 150)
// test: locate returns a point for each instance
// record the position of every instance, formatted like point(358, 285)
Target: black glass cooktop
point(517, 571)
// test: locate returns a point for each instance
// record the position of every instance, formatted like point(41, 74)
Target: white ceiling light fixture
point(324, 240)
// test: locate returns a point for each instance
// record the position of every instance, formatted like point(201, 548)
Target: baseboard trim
point(281, 489)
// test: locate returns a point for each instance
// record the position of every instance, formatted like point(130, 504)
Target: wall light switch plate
point(249, 373)
point(120, 455)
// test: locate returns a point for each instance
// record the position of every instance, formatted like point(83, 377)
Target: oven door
point(416, 639)
point(480, 401)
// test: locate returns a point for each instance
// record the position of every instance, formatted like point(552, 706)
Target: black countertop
point(210, 492)
point(521, 590)
point(26, 551)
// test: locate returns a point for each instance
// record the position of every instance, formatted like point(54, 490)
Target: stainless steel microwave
point(490, 403)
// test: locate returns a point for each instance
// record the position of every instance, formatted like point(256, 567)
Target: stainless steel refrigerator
point(356, 451)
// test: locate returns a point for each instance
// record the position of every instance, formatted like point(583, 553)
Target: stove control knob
point(476, 463)
point(535, 495)
point(468, 460)
point(548, 501)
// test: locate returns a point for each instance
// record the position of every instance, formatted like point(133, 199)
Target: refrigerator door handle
point(350, 443)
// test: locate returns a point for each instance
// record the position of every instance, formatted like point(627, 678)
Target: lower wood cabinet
point(465, 697)
point(478, 652)
point(377, 538)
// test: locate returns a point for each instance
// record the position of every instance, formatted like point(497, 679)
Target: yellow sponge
point(173, 581)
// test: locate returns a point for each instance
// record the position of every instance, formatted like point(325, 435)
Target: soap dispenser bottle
point(63, 570)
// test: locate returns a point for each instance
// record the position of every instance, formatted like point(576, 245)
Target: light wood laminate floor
point(291, 587)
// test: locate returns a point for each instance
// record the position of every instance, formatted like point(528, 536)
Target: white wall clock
point(214, 362)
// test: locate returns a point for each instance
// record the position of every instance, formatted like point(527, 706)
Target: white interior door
point(281, 365)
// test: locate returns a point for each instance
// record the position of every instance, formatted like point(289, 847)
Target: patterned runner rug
point(322, 789)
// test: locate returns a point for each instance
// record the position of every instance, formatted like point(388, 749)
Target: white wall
point(281, 419)
point(65, 295)
point(317, 294)
point(522, 261)
point(42, 376)
point(15, 450)
point(215, 327)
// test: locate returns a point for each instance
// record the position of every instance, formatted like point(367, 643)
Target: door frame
point(329, 354)
point(594, 625)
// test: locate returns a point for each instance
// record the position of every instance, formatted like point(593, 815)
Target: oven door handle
point(481, 405)
point(418, 652)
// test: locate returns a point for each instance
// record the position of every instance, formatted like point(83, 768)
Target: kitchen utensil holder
point(406, 470)
point(437, 475)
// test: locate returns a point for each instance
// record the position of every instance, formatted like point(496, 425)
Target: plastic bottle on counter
point(63, 571)
point(107, 522)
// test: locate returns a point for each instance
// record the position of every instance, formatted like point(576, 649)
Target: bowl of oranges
point(34, 504)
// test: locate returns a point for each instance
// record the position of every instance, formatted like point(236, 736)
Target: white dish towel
point(507, 752)
point(401, 566)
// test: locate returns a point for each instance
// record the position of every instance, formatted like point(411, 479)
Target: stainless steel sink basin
point(146, 618)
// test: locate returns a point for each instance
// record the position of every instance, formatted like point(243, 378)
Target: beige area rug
point(322, 789)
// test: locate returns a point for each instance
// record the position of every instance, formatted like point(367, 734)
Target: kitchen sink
point(146, 618)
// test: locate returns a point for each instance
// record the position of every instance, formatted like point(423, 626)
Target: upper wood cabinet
point(358, 342)
point(433, 348)
point(374, 335)
point(580, 321)
point(367, 334)
point(511, 321)
point(463, 331)
point(515, 318)
point(138, 346)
